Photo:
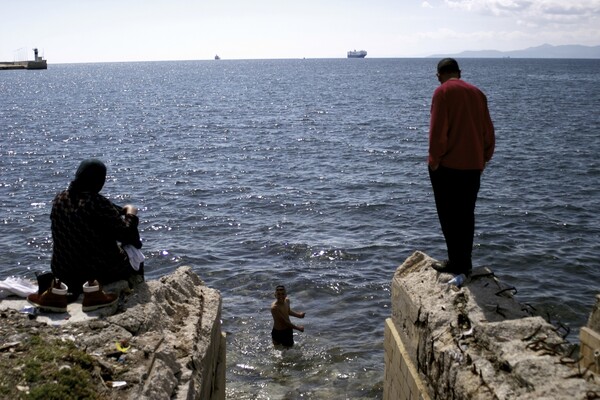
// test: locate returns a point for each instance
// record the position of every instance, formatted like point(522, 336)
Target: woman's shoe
point(54, 299)
point(95, 298)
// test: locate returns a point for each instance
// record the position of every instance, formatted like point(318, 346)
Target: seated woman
point(89, 234)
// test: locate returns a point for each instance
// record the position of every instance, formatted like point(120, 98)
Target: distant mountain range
point(543, 51)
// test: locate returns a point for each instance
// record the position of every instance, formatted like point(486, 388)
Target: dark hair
point(280, 287)
point(447, 65)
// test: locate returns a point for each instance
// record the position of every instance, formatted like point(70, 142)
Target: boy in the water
point(282, 332)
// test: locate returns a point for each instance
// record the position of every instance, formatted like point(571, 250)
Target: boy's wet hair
point(280, 287)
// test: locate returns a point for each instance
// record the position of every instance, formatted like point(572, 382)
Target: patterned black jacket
point(87, 229)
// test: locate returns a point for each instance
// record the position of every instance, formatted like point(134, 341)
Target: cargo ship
point(357, 54)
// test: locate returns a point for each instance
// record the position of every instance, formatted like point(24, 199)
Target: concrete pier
point(474, 342)
point(37, 63)
point(4, 65)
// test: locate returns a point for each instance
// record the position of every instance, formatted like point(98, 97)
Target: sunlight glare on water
point(311, 174)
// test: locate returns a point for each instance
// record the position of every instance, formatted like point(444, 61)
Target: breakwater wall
point(37, 63)
point(477, 342)
point(4, 65)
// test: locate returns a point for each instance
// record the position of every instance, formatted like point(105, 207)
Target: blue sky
point(68, 31)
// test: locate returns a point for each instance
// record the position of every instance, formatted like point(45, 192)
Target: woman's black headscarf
point(90, 176)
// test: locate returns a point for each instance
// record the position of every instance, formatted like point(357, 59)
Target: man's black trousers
point(455, 193)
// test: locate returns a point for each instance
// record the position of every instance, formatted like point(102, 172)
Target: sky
point(77, 31)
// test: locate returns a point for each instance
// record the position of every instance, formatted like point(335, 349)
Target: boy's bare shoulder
point(277, 306)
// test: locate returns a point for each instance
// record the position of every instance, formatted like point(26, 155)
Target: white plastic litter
point(16, 286)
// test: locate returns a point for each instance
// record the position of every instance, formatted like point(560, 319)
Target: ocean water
point(311, 174)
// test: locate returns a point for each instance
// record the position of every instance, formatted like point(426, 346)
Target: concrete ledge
point(476, 342)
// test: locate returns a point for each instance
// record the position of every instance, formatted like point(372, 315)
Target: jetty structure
point(38, 62)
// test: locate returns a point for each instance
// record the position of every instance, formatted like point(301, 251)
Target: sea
point(310, 173)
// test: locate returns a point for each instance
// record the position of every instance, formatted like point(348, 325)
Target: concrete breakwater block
point(476, 341)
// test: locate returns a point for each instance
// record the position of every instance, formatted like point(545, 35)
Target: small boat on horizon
point(217, 57)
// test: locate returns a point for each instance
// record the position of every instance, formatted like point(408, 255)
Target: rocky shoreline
point(164, 340)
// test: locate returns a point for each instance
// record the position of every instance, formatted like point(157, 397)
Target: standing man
point(461, 142)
